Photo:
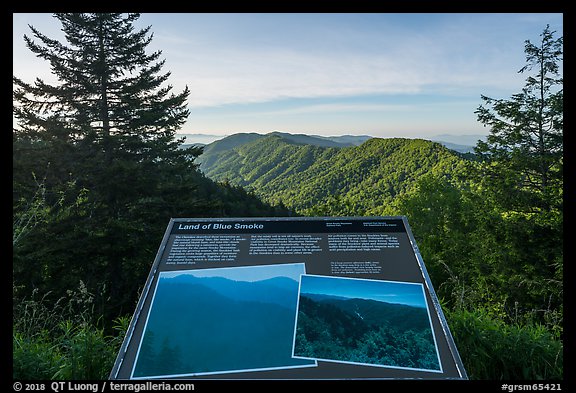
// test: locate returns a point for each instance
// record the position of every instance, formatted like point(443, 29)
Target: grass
point(493, 350)
point(61, 341)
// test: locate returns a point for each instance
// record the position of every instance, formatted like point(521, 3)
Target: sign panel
point(288, 298)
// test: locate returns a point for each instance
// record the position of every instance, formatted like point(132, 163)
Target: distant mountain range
point(314, 176)
point(459, 143)
point(215, 324)
point(375, 312)
point(277, 290)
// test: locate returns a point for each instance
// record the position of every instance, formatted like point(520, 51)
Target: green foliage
point(518, 183)
point(523, 154)
point(493, 350)
point(113, 172)
point(59, 341)
point(327, 181)
point(477, 256)
point(97, 174)
point(492, 236)
point(329, 331)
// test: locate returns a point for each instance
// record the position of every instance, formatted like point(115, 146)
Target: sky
point(378, 74)
point(385, 291)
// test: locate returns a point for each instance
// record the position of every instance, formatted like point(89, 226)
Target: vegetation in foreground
point(97, 174)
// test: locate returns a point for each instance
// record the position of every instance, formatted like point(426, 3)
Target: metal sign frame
point(207, 269)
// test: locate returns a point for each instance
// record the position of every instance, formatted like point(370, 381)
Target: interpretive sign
point(288, 298)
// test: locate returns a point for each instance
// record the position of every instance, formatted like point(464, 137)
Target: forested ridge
point(335, 330)
point(98, 171)
point(315, 180)
point(479, 254)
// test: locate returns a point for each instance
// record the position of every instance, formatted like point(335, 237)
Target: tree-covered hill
point(354, 180)
point(335, 330)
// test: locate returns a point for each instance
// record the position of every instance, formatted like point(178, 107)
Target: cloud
point(333, 108)
point(227, 59)
point(259, 76)
point(439, 61)
point(398, 65)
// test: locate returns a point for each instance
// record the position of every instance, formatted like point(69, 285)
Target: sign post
point(288, 298)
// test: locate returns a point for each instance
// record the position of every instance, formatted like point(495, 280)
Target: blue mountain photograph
point(368, 322)
point(223, 320)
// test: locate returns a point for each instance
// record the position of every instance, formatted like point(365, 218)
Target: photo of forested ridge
point(221, 320)
point(378, 323)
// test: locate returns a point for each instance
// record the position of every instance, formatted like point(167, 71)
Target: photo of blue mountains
point(369, 322)
point(221, 320)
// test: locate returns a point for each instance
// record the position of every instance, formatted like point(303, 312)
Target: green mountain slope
point(311, 179)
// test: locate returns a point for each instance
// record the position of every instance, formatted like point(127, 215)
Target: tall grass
point(493, 350)
point(62, 339)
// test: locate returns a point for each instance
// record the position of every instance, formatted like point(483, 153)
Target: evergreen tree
point(107, 127)
point(110, 90)
point(494, 241)
point(109, 99)
point(104, 131)
point(524, 152)
point(519, 189)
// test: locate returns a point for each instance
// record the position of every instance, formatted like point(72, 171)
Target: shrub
point(51, 343)
point(493, 350)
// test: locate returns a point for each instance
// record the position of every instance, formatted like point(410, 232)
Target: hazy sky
point(381, 74)
point(384, 291)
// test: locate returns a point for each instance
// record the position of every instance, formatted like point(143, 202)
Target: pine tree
point(523, 153)
point(520, 176)
point(110, 97)
point(107, 127)
point(110, 90)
